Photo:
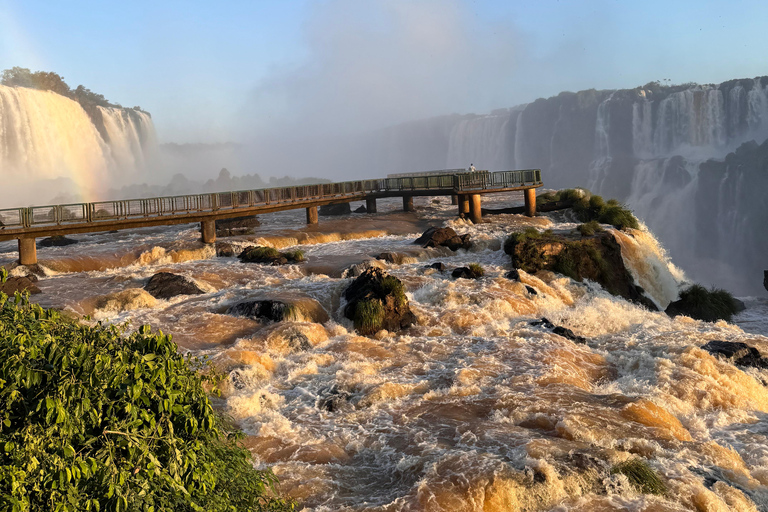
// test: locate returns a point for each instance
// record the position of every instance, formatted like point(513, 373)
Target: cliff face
point(661, 149)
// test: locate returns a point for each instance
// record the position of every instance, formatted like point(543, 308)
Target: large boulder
point(165, 285)
point(237, 226)
point(737, 353)
point(703, 304)
point(375, 301)
point(20, 284)
point(269, 310)
point(443, 237)
point(270, 256)
point(329, 210)
point(56, 241)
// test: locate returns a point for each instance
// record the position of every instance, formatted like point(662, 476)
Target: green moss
point(476, 270)
point(391, 285)
point(618, 217)
point(260, 253)
point(641, 476)
point(589, 208)
point(515, 238)
point(296, 256)
point(369, 316)
point(589, 228)
point(708, 305)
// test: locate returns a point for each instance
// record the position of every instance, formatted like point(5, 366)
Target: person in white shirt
point(471, 167)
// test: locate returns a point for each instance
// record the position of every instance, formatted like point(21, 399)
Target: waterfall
point(45, 136)
point(482, 140)
point(602, 156)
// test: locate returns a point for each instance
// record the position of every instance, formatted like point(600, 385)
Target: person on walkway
point(471, 167)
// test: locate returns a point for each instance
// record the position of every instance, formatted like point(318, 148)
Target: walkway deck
point(26, 224)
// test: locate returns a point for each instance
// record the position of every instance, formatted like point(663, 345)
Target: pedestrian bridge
point(27, 224)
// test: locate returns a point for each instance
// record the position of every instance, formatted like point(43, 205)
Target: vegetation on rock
point(702, 304)
point(270, 255)
point(589, 228)
point(641, 476)
point(95, 419)
point(377, 301)
point(590, 207)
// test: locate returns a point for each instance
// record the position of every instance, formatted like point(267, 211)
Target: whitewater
point(475, 408)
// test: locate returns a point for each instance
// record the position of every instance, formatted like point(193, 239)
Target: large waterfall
point(647, 146)
point(50, 144)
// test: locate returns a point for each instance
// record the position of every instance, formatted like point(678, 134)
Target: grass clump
point(589, 228)
point(296, 256)
point(702, 304)
point(390, 285)
point(260, 253)
point(92, 418)
point(516, 238)
point(641, 476)
point(589, 208)
point(369, 316)
point(475, 270)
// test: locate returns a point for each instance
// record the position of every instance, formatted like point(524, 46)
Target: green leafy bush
point(641, 476)
point(702, 304)
point(589, 228)
point(94, 419)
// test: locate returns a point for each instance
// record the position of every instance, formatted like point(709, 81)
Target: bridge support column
point(312, 215)
point(27, 251)
point(530, 202)
point(463, 204)
point(370, 204)
point(454, 199)
point(475, 208)
point(208, 231)
point(408, 204)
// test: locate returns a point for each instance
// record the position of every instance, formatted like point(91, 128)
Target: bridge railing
point(15, 218)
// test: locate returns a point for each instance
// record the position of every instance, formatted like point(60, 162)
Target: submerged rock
point(737, 353)
point(56, 241)
point(443, 237)
point(361, 209)
point(440, 266)
point(513, 275)
point(471, 272)
point(165, 285)
point(559, 330)
point(331, 399)
point(125, 300)
point(375, 301)
point(225, 250)
point(20, 284)
point(237, 226)
point(329, 210)
point(270, 310)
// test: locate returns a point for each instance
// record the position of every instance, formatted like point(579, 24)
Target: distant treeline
point(49, 81)
point(181, 185)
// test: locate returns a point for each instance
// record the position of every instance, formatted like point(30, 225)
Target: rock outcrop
point(56, 241)
point(737, 353)
point(443, 237)
point(270, 256)
point(329, 210)
point(237, 226)
point(375, 301)
point(597, 258)
point(269, 310)
point(20, 284)
point(165, 285)
point(559, 330)
point(361, 209)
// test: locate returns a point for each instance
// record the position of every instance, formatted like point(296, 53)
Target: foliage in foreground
point(93, 419)
point(641, 476)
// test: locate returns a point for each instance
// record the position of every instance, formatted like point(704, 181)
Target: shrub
point(589, 228)
point(641, 476)
point(611, 212)
point(475, 270)
point(369, 316)
point(702, 304)
point(515, 238)
point(94, 419)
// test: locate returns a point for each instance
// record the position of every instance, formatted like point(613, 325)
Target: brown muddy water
point(474, 409)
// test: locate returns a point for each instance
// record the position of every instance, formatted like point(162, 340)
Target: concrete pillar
point(370, 204)
point(312, 215)
point(454, 199)
point(475, 208)
point(463, 204)
point(530, 202)
point(408, 204)
point(208, 230)
point(27, 251)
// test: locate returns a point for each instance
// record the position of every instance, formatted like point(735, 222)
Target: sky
point(237, 71)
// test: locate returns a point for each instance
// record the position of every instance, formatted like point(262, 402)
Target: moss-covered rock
point(596, 257)
point(702, 304)
point(270, 256)
point(375, 301)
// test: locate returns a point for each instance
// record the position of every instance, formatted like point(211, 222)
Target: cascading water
point(45, 136)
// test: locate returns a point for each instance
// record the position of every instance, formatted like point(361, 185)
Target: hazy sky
point(238, 70)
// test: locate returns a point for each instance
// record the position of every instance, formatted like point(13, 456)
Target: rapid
point(475, 408)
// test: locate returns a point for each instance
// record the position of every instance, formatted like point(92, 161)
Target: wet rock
point(531, 290)
point(237, 226)
point(559, 330)
point(439, 266)
point(703, 304)
point(389, 257)
point(165, 285)
point(329, 210)
point(269, 310)
point(225, 250)
point(359, 268)
point(125, 300)
point(270, 256)
point(765, 279)
point(332, 399)
point(375, 301)
point(20, 284)
point(56, 241)
point(443, 237)
point(513, 275)
point(361, 209)
point(466, 273)
point(738, 353)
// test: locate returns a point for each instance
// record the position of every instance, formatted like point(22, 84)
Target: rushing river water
point(474, 409)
